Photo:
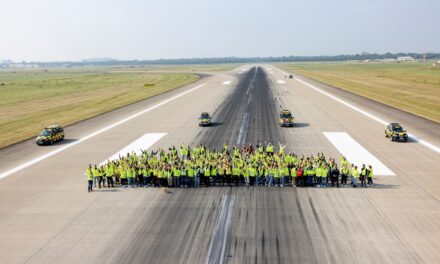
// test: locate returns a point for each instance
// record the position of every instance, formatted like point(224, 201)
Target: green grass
point(33, 99)
point(412, 87)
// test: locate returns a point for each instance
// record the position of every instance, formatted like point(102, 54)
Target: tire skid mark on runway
point(377, 119)
point(306, 227)
point(98, 132)
point(217, 248)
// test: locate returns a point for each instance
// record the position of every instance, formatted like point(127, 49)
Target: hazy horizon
point(127, 30)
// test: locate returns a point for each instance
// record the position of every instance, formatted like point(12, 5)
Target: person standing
point(89, 174)
point(354, 176)
point(363, 176)
point(335, 176)
point(370, 175)
point(344, 175)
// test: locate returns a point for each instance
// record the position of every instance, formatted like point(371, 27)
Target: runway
point(47, 216)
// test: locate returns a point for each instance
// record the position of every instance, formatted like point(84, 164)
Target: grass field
point(412, 87)
point(33, 99)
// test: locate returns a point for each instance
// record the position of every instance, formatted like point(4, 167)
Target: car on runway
point(50, 135)
point(286, 118)
point(396, 132)
point(205, 119)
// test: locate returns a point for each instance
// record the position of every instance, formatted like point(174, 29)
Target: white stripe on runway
point(379, 120)
point(226, 82)
point(142, 143)
point(281, 82)
point(355, 153)
point(89, 136)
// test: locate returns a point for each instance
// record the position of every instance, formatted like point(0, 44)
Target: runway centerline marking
point(377, 119)
point(217, 247)
point(355, 153)
point(141, 144)
point(226, 82)
point(100, 131)
point(281, 82)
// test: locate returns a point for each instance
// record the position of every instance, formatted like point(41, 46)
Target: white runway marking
point(379, 120)
point(281, 82)
point(100, 131)
point(357, 154)
point(271, 72)
point(226, 82)
point(142, 143)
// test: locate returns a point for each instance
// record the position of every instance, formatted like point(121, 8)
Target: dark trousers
point(110, 182)
point(370, 180)
point(334, 180)
point(90, 185)
point(228, 179)
point(344, 179)
point(362, 179)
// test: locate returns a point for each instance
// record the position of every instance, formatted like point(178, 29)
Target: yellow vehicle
point(205, 119)
point(396, 132)
point(286, 118)
point(50, 135)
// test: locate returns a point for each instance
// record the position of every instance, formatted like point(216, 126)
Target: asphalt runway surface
point(47, 216)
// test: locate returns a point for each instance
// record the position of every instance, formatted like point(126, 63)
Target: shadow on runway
point(216, 124)
point(66, 141)
point(380, 186)
point(301, 124)
point(106, 190)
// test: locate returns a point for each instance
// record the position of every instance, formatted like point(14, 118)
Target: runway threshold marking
point(357, 109)
point(217, 247)
point(141, 144)
point(226, 82)
point(100, 131)
point(356, 154)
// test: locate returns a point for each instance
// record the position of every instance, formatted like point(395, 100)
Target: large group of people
point(245, 166)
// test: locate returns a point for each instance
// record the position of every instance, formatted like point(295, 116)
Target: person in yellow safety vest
point(269, 149)
point(89, 174)
point(354, 176)
point(221, 175)
point(318, 172)
point(293, 176)
point(123, 175)
point(363, 176)
point(246, 175)
point(169, 177)
point(236, 152)
point(131, 175)
point(97, 177)
point(236, 174)
point(253, 176)
point(214, 172)
point(207, 176)
point(370, 175)
point(226, 148)
point(344, 174)
point(183, 151)
point(176, 176)
point(191, 176)
point(281, 150)
point(325, 173)
point(228, 172)
point(109, 173)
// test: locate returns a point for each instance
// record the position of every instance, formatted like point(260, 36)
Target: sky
point(58, 30)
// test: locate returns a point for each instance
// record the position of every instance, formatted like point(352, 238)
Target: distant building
point(405, 58)
point(436, 64)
